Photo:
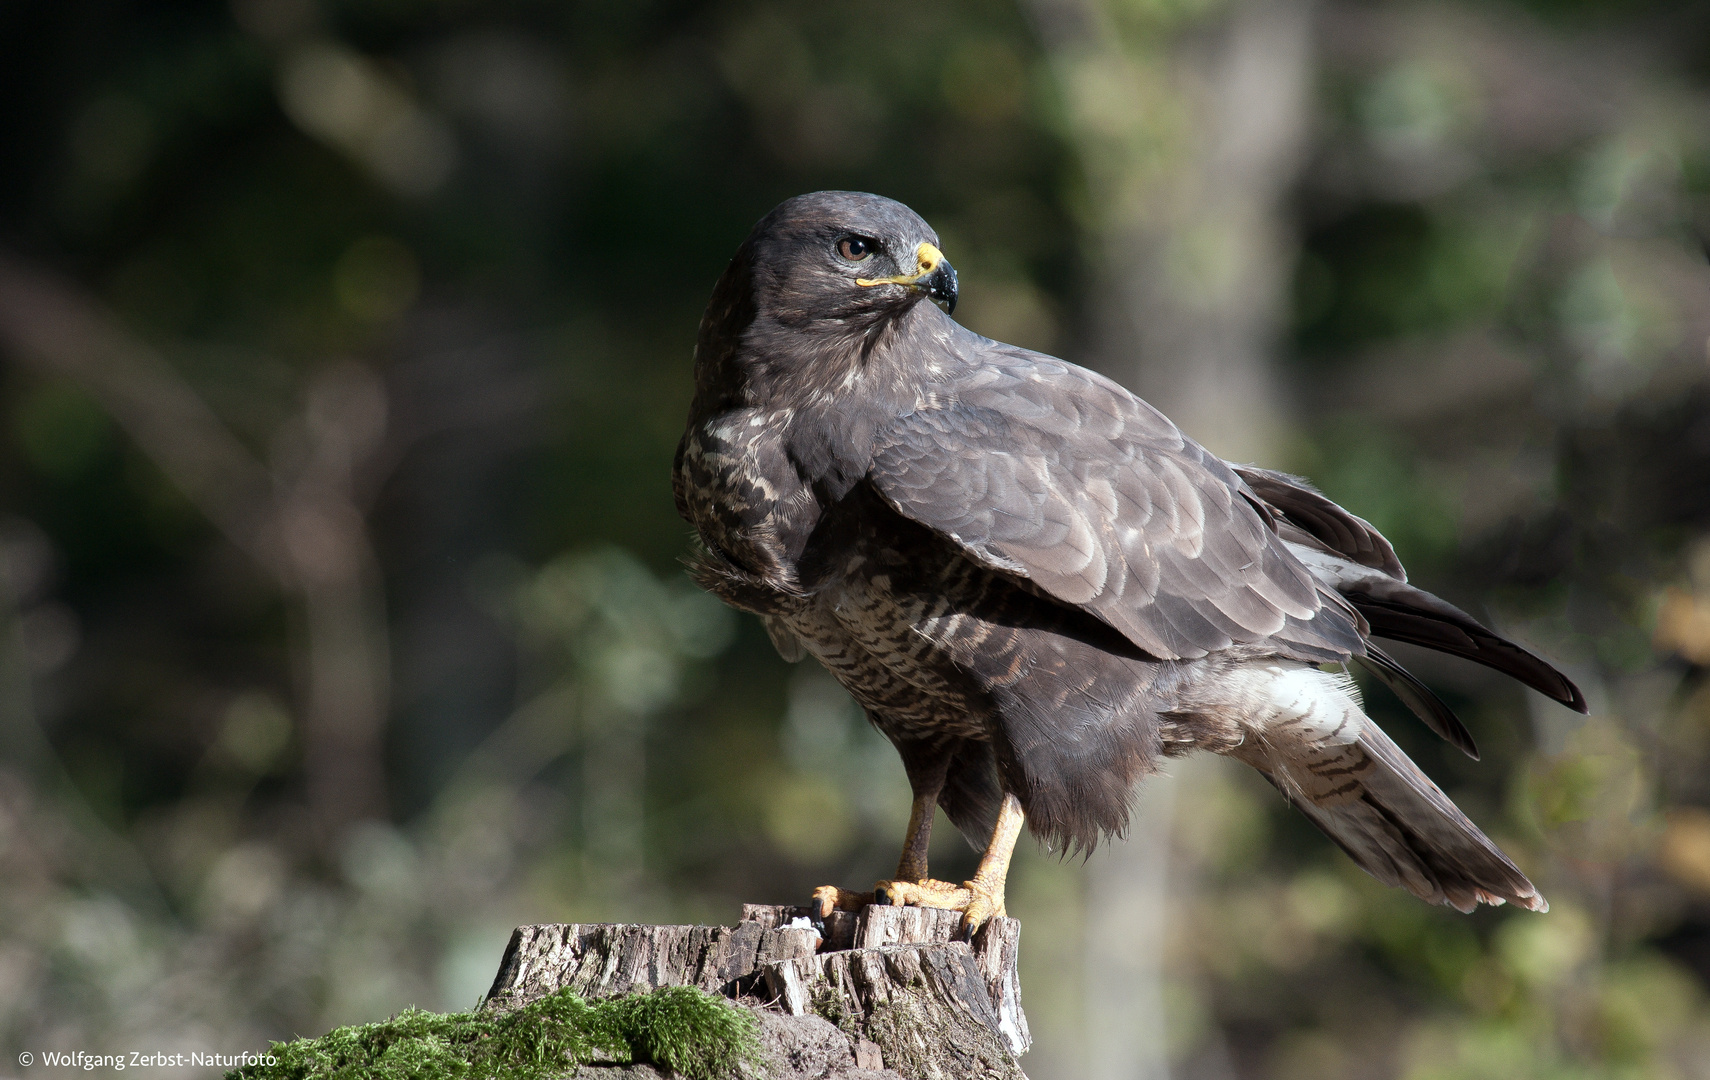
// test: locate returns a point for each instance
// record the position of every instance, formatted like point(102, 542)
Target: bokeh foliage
point(434, 268)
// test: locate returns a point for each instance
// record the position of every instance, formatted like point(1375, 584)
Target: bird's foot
point(829, 898)
point(926, 892)
point(976, 902)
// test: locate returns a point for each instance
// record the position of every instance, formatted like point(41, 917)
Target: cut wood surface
point(884, 992)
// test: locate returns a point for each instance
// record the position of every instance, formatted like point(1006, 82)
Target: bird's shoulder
point(732, 453)
point(1035, 393)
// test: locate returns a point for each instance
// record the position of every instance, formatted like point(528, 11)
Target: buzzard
point(1036, 585)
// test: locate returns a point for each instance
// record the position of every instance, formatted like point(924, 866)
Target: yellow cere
point(926, 257)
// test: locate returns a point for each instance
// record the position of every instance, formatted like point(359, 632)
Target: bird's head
point(840, 255)
point(820, 283)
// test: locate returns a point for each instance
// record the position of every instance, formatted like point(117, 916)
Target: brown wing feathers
point(1418, 697)
point(1051, 473)
point(1395, 609)
point(1418, 618)
point(1347, 534)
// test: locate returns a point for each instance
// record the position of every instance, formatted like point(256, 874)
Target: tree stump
point(895, 992)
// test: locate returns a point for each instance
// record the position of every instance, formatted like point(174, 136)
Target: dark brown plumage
point(1033, 582)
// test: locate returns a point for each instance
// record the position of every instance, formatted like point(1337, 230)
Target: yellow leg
point(911, 867)
point(979, 898)
point(993, 871)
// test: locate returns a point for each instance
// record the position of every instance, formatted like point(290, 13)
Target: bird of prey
point(1036, 585)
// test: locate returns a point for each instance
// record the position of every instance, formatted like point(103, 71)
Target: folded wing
point(1346, 552)
point(1057, 475)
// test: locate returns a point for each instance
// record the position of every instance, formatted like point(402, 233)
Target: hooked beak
point(933, 275)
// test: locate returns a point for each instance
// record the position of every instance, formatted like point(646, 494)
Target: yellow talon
point(978, 900)
point(829, 898)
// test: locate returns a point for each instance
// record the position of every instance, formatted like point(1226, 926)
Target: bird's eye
point(855, 248)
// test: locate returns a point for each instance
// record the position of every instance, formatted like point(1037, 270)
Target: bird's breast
point(739, 489)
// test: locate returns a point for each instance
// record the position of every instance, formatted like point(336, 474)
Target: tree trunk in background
point(1127, 925)
point(299, 518)
point(1197, 287)
point(1191, 137)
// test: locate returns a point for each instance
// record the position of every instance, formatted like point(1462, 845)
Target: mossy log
point(893, 992)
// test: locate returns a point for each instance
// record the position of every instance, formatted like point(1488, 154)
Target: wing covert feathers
point(1050, 472)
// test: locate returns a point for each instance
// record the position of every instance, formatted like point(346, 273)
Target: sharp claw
point(979, 911)
point(824, 900)
point(976, 904)
point(829, 898)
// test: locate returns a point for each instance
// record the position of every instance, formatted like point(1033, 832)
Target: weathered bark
point(797, 1048)
point(886, 992)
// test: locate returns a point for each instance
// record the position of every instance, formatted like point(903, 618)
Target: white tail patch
point(1283, 717)
point(1305, 729)
point(1285, 701)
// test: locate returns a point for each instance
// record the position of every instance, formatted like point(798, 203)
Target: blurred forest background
point(347, 346)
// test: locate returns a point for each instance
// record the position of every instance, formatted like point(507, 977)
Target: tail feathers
point(1418, 697)
point(1394, 822)
point(1403, 613)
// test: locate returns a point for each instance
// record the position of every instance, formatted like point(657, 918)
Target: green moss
point(692, 1033)
point(828, 1003)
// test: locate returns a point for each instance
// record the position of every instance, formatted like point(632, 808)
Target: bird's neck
point(879, 361)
